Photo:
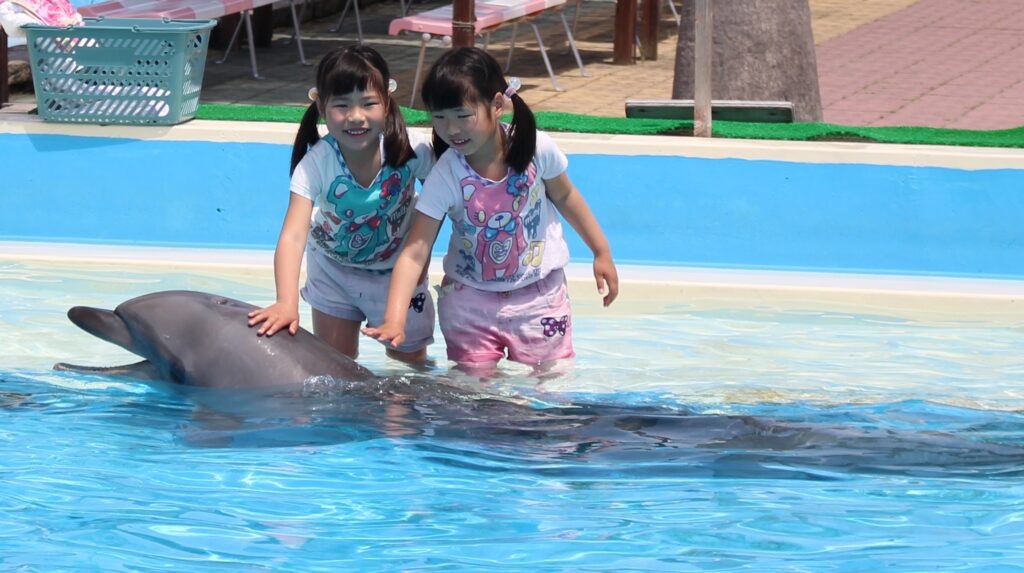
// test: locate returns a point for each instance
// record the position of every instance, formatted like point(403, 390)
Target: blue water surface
point(712, 439)
point(102, 479)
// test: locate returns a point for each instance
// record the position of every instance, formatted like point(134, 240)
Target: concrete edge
point(16, 120)
point(667, 276)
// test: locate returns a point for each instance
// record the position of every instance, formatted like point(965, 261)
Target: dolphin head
point(204, 339)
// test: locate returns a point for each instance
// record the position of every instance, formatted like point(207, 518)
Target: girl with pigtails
point(351, 201)
point(503, 186)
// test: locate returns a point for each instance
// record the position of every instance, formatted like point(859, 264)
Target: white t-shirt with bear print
point(505, 234)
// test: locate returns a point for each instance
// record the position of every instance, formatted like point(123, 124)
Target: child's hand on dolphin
point(606, 276)
point(275, 317)
point(386, 333)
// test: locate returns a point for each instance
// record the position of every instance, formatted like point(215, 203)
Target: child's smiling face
point(355, 119)
point(469, 127)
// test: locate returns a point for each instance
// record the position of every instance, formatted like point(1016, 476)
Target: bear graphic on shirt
point(495, 208)
point(364, 232)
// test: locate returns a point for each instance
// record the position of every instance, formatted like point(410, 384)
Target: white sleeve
point(307, 178)
point(548, 158)
point(423, 146)
point(439, 190)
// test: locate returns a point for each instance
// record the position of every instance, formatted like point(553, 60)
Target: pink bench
point(490, 15)
point(195, 10)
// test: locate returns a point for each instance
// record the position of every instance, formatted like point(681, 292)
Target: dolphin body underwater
point(202, 342)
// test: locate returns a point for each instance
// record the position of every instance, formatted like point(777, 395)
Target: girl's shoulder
point(447, 171)
point(421, 143)
point(449, 160)
point(549, 160)
point(322, 148)
point(422, 147)
point(544, 140)
point(418, 137)
point(317, 156)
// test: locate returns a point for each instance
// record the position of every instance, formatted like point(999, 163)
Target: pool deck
point(643, 289)
point(934, 63)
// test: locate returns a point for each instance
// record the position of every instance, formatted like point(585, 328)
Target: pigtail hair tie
point(514, 84)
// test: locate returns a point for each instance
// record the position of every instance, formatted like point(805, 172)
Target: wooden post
point(702, 69)
point(464, 23)
point(5, 93)
point(625, 31)
point(650, 13)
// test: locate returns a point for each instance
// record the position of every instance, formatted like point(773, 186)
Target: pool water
point(883, 438)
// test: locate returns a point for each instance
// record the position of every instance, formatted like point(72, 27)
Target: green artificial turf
point(557, 121)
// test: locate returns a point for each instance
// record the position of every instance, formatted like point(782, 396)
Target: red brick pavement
point(936, 63)
point(940, 63)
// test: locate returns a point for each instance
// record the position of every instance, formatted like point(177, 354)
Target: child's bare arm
point(577, 213)
point(287, 263)
point(407, 274)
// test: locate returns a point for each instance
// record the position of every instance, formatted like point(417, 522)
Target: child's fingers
point(610, 297)
point(384, 335)
point(608, 285)
point(267, 328)
point(272, 325)
point(613, 291)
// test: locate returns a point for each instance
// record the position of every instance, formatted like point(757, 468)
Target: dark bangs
point(466, 77)
point(352, 71)
point(447, 91)
point(460, 78)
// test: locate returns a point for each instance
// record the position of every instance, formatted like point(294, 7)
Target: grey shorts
point(358, 294)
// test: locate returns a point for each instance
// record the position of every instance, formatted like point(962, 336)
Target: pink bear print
point(495, 209)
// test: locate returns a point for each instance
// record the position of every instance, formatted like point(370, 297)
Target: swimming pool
point(885, 407)
point(104, 473)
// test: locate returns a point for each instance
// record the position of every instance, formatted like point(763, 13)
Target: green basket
point(119, 70)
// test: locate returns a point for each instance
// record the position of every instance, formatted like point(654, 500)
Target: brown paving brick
point(852, 117)
point(833, 18)
point(990, 115)
point(949, 57)
point(868, 102)
point(955, 63)
point(876, 59)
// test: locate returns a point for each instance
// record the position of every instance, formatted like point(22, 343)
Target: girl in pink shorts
point(503, 186)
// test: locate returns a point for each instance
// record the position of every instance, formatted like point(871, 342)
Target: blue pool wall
point(674, 209)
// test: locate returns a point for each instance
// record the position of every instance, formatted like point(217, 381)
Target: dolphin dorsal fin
point(104, 324)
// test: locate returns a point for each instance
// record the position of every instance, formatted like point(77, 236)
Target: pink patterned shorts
point(533, 324)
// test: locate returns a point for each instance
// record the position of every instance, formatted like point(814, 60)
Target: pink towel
point(49, 12)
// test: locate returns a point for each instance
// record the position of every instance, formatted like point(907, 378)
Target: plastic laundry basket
point(119, 70)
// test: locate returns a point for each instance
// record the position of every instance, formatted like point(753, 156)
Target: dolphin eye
point(222, 301)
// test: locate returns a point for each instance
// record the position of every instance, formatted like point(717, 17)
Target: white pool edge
point(668, 277)
point(17, 121)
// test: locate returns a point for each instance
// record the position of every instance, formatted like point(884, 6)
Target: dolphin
point(202, 342)
point(201, 339)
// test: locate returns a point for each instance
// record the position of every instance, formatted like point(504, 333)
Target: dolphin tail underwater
point(200, 339)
